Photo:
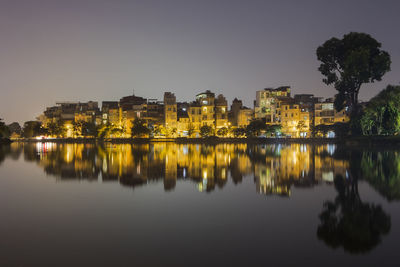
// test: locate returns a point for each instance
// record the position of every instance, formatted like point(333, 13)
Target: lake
point(167, 204)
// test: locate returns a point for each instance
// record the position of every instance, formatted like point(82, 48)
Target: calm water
point(198, 205)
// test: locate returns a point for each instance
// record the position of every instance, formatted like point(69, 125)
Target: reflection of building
point(276, 168)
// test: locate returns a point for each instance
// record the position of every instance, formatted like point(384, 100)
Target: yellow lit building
point(326, 114)
point(170, 111)
point(295, 121)
point(206, 101)
point(266, 103)
point(194, 113)
point(245, 115)
point(221, 112)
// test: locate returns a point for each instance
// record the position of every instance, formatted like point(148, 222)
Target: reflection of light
point(294, 157)
point(327, 176)
point(138, 169)
point(200, 187)
point(184, 172)
point(223, 174)
point(205, 174)
point(331, 149)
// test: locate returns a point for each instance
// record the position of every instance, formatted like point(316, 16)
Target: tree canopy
point(206, 131)
point(139, 128)
point(350, 62)
point(4, 130)
point(381, 116)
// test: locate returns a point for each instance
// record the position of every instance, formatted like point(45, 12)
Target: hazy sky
point(100, 50)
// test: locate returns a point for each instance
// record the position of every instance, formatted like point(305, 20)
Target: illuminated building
point(170, 111)
point(326, 114)
point(221, 112)
point(195, 117)
point(184, 124)
point(111, 113)
point(206, 101)
point(295, 121)
point(239, 115)
point(66, 113)
point(266, 103)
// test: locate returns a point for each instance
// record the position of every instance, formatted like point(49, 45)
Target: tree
point(15, 128)
point(103, 130)
point(381, 115)
point(222, 131)
point(255, 127)
point(322, 129)
point(4, 130)
point(32, 129)
point(190, 129)
point(117, 132)
point(89, 129)
point(350, 62)
point(206, 131)
point(139, 128)
point(239, 132)
point(301, 126)
point(77, 128)
point(56, 129)
point(273, 130)
point(341, 129)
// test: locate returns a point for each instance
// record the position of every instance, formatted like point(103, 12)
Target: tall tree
point(350, 62)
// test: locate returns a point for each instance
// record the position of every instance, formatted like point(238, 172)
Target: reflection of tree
point(350, 223)
point(4, 150)
point(382, 170)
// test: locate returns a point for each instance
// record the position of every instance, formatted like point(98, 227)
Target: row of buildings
point(171, 118)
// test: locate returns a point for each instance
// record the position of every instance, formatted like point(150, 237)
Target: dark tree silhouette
point(350, 223)
point(350, 62)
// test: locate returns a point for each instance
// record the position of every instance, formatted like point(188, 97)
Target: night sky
point(101, 50)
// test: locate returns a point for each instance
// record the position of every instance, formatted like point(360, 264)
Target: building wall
point(291, 115)
point(170, 111)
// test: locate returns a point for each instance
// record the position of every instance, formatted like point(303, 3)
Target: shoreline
point(373, 140)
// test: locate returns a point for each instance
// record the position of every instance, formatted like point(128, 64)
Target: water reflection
point(346, 221)
point(349, 222)
point(275, 168)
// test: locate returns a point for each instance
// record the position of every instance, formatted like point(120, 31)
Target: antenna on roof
point(133, 91)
